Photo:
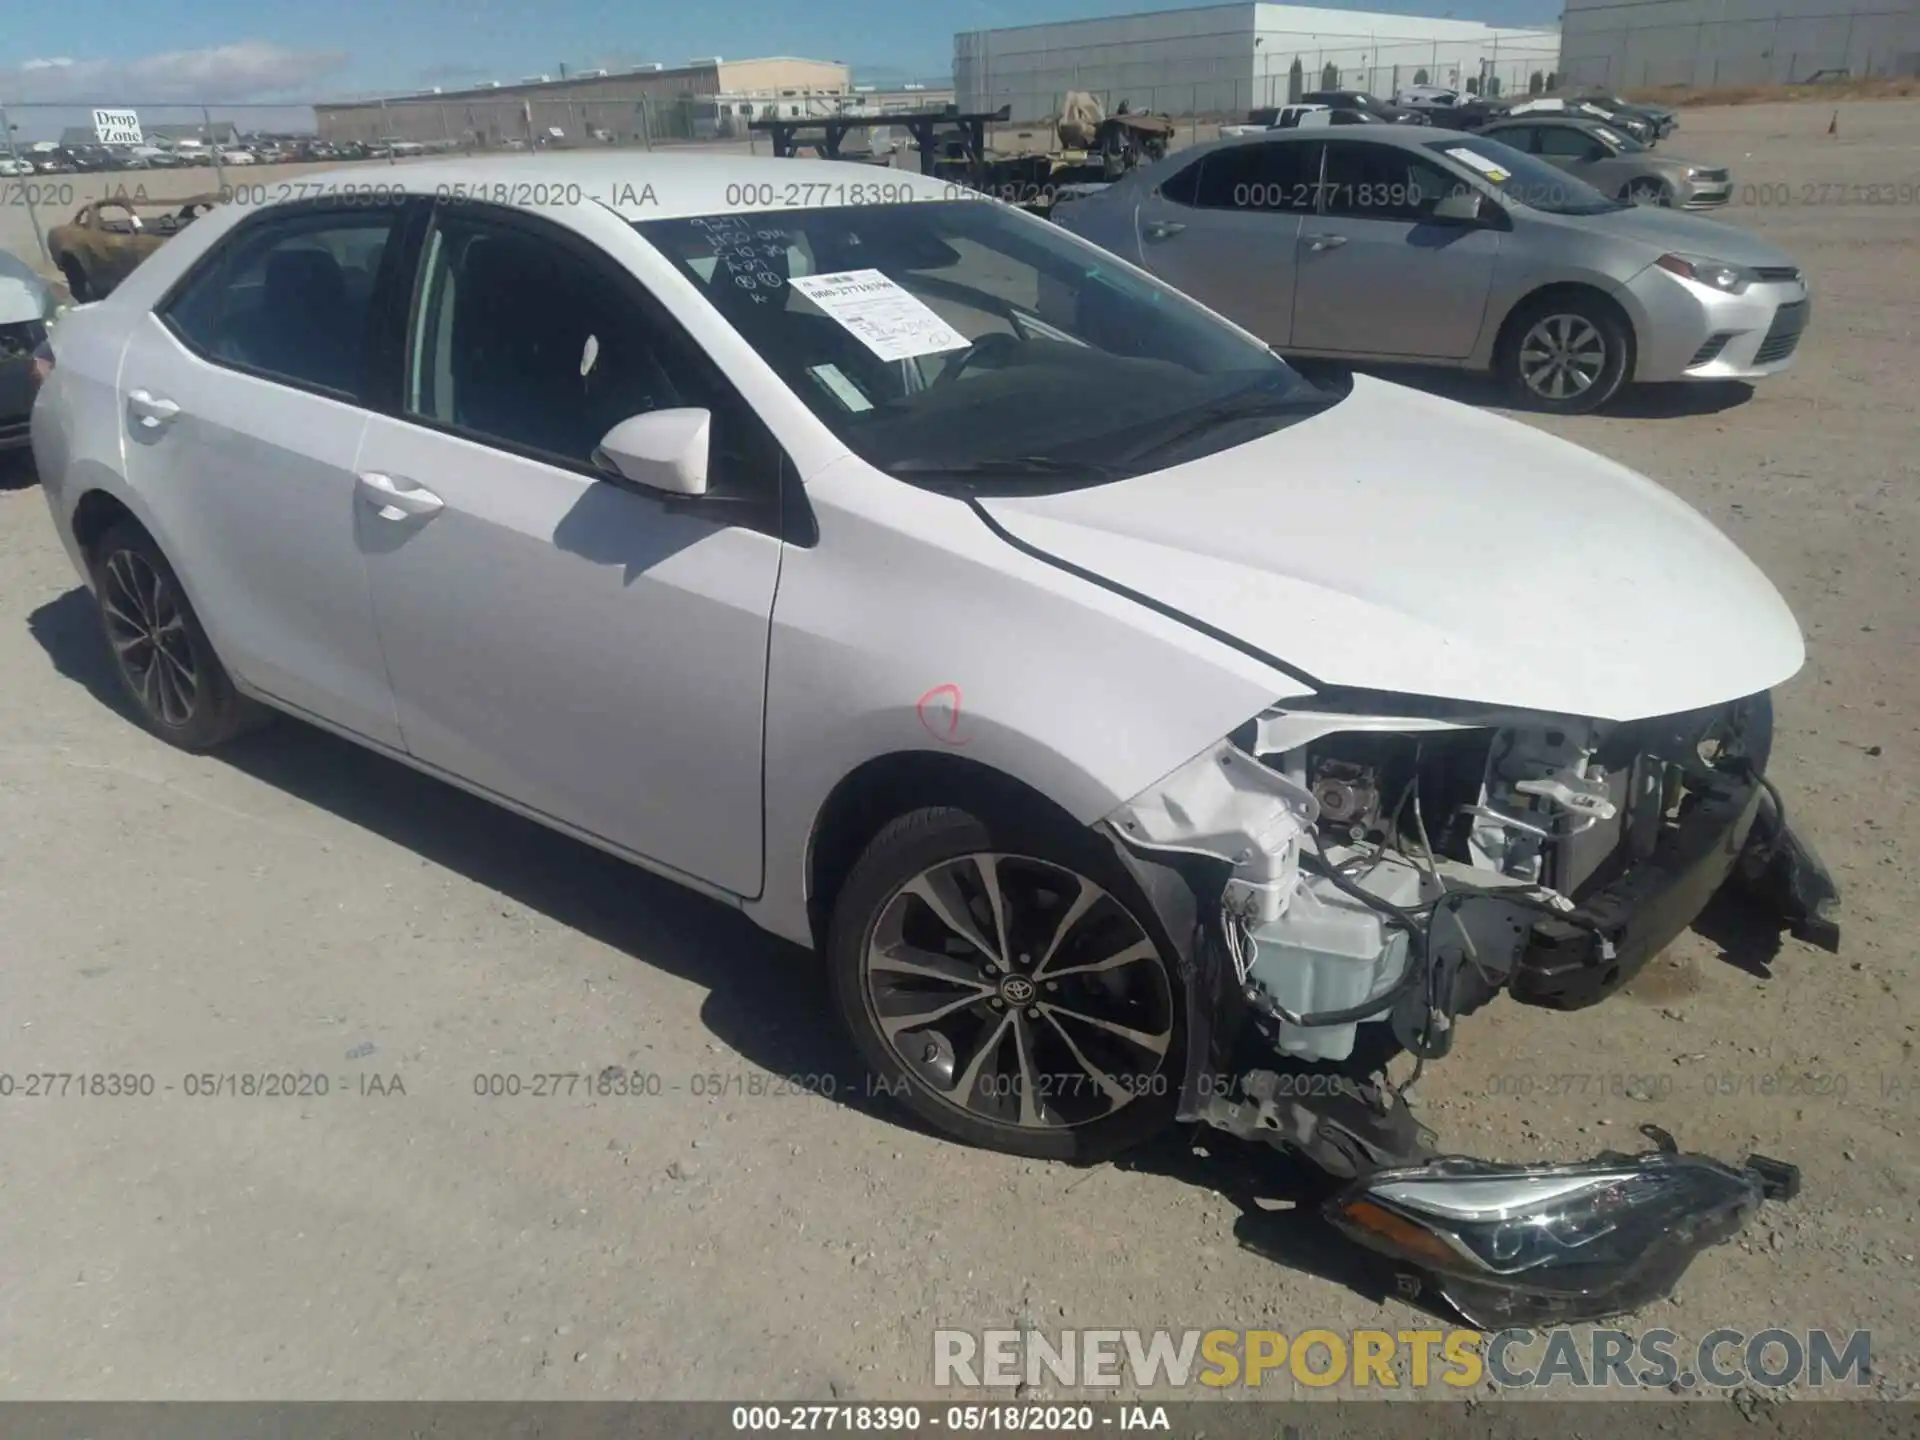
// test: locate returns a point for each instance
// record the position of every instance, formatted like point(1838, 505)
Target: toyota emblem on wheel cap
point(1017, 990)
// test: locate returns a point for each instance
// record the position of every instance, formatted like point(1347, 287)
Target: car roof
point(1404, 137)
point(646, 186)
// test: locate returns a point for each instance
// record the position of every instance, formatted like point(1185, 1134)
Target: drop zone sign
point(117, 127)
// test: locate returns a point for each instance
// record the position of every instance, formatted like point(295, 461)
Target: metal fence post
point(387, 136)
point(219, 174)
point(26, 192)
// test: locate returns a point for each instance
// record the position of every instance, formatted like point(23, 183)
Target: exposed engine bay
point(1362, 882)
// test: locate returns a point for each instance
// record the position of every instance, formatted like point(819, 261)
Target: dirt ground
point(298, 905)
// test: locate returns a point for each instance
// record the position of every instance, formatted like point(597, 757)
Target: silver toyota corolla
point(1615, 163)
point(1452, 249)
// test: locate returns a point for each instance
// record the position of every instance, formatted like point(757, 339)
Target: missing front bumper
point(1736, 835)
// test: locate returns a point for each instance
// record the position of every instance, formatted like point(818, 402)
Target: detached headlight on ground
point(1556, 1244)
point(1721, 275)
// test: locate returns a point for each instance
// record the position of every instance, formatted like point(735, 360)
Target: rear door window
point(1280, 175)
point(290, 299)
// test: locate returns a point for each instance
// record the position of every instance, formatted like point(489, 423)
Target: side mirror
point(1463, 207)
point(663, 450)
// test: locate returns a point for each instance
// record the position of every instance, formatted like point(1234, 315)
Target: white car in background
point(1430, 97)
point(782, 552)
point(1285, 117)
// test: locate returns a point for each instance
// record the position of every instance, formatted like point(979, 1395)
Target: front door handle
point(397, 499)
point(1325, 242)
point(150, 411)
point(1161, 229)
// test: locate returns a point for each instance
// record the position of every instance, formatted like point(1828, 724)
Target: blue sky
point(261, 49)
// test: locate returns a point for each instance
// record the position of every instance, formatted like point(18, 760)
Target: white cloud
point(249, 70)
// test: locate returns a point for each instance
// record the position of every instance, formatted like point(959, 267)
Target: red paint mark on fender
point(939, 712)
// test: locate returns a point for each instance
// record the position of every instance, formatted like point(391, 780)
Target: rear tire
point(78, 286)
point(1565, 354)
point(1048, 1021)
point(166, 664)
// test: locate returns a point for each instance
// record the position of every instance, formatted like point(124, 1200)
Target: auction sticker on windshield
point(889, 321)
point(1486, 167)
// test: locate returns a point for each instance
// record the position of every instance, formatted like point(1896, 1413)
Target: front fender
point(1511, 297)
point(912, 627)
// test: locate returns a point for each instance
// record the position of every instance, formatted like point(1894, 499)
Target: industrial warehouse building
point(1227, 59)
point(1629, 43)
point(698, 99)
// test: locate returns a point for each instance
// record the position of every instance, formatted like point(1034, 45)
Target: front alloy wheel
point(1018, 1001)
point(1562, 357)
point(1568, 353)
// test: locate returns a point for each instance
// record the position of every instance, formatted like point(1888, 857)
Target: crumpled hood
point(1404, 543)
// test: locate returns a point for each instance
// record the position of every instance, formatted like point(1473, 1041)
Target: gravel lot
point(299, 905)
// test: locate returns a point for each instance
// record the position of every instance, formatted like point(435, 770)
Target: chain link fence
point(1179, 76)
point(52, 163)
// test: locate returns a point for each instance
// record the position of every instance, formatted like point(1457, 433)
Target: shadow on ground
point(1279, 1200)
point(16, 470)
point(766, 998)
point(1748, 940)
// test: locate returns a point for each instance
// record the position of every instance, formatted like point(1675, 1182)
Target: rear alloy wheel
point(1016, 1000)
point(162, 655)
point(78, 286)
point(1566, 355)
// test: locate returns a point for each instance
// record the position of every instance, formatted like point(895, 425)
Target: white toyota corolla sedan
point(1100, 695)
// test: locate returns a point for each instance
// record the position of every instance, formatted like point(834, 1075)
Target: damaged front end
point(1362, 881)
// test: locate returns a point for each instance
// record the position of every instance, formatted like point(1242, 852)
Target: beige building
point(620, 107)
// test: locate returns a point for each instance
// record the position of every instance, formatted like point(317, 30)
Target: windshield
point(963, 342)
point(1525, 178)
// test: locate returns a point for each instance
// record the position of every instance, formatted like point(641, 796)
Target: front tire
point(1566, 354)
point(167, 666)
point(1647, 192)
point(1006, 980)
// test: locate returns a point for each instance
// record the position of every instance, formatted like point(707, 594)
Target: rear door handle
point(150, 411)
point(1325, 242)
point(397, 499)
point(1161, 229)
